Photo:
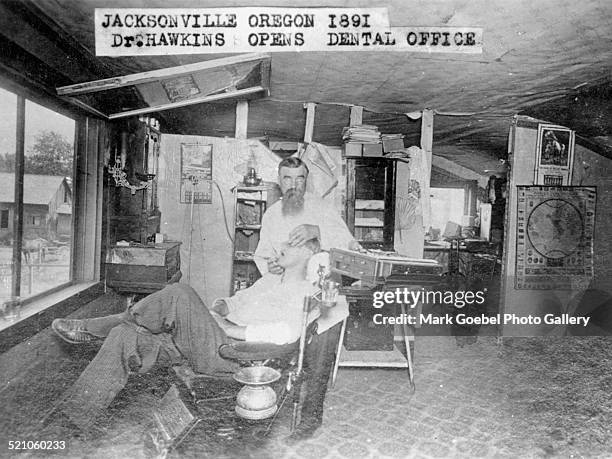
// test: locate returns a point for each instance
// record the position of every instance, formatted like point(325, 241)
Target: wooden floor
point(34, 374)
point(475, 398)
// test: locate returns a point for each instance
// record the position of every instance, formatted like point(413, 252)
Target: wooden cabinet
point(133, 215)
point(143, 268)
point(370, 201)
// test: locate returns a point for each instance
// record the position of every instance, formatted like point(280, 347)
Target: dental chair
point(266, 364)
point(263, 364)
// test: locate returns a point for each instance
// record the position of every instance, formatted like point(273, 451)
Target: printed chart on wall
point(554, 248)
point(196, 173)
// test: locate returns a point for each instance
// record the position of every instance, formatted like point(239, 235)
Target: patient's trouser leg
point(108, 372)
point(163, 328)
point(319, 361)
point(180, 311)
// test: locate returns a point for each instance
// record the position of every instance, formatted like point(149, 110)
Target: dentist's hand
point(357, 247)
point(220, 307)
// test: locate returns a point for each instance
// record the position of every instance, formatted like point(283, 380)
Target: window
point(4, 219)
point(8, 131)
point(447, 205)
point(44, 146)
point(34, 220)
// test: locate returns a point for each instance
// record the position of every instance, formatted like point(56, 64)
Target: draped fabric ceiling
point(548, 58)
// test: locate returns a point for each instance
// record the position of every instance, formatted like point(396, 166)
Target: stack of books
point(361, 133)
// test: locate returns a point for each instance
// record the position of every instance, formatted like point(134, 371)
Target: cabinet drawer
point(362, 266)
point(340, 261)
point(343, 267)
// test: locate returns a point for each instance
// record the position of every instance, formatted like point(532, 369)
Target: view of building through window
point(47, 199)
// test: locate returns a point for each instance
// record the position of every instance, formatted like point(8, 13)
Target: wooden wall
point(590, 169)
point(206, 261)
point(593, 169)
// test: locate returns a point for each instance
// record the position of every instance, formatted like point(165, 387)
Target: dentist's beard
point(293, 202)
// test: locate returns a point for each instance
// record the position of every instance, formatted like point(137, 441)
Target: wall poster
point(554, 155)
point(196, 173)
point(554, 248)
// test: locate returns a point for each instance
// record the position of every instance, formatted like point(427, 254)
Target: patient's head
point(291, 256)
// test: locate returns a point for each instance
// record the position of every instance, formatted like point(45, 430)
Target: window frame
point(87, 186)
point(470, 197)
point(4, 212)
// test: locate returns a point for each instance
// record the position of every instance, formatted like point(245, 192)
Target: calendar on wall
point(554, 246)
point(196, 173)
point(554, 155)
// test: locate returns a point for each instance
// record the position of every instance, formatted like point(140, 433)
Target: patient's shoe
point(73, 331)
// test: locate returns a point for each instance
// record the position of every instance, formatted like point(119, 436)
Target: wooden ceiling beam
point(310, 120)
point(458, 170)
point(30, 29)
point(24, 73)
point(242, 119)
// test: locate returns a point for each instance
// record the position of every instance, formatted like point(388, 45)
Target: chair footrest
point(256, 351)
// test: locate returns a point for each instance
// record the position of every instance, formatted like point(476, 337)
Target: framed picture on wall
point(554, 155)
point(196, 173)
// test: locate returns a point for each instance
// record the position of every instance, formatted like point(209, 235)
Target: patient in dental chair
point(173, 326)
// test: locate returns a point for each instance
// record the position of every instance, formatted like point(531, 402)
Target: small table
point(380, 271)
point(143, 269)
point(394, 358)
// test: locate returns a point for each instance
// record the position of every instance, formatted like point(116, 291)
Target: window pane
point(446, 206)
point(8, 125)
point(47, 206)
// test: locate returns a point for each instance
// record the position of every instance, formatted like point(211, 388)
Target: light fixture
point(120, 177)
point(251, 178)
point(117, 170)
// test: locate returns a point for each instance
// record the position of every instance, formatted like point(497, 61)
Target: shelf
point(370, 200)
point(255, 193)
point(243, 256)
point(240, 188)
point(365, 358)
point(249, 206)
point(250, 198)
point(368, 222)
point(370, 204)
